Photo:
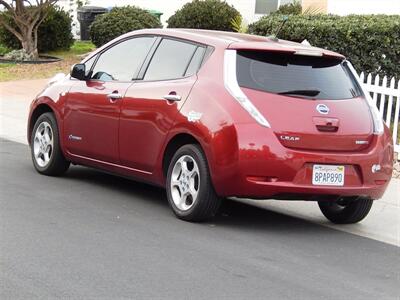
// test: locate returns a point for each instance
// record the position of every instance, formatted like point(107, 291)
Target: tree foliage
point(293, 8)
point(118, 21)
point(27, 17)
point(371, 42)
point(205, 14)
point(54, 32)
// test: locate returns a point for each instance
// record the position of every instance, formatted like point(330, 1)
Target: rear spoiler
point(284, 47)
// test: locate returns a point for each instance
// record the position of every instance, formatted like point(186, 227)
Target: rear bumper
point(291, 191)
point(264, 169)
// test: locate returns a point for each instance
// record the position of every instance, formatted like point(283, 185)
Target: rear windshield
point(295, 75)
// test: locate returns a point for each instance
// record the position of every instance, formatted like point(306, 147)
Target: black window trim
point(190, 60)
point(209, 51)
point(98, 54)
point(144, 68)
point(157, 41)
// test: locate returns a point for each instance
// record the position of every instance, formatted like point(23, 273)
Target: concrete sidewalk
point(383, 222)
point(15, 98)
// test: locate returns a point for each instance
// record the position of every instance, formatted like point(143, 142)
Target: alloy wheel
point(43, 144)
point(185, 182)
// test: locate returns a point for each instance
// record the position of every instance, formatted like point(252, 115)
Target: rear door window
point(171, 60)
point(295, 75)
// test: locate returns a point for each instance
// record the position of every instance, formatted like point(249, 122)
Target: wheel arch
point(36, 113)
point(173, 145)
point(220, 149)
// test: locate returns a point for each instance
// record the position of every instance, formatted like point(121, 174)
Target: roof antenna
point(274, 37)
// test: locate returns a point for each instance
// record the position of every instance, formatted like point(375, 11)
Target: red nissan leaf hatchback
point(210, 115)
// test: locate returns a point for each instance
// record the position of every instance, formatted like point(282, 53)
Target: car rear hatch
point(310, 99)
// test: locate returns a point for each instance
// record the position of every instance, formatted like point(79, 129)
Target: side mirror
point(78, 71)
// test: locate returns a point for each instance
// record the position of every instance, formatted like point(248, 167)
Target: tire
point(346, 210)
point(188, 175)
point(46, 153)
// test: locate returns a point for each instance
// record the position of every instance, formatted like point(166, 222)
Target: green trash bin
point(155, 13)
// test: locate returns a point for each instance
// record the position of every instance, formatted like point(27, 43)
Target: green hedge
point(370, 42)
point(120, 20)
point(205, 14)
point(54, 33)
point(293, 8)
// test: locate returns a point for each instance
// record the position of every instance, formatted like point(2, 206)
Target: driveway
point(15, 97)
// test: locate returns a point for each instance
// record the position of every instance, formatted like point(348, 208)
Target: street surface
point(91, 235)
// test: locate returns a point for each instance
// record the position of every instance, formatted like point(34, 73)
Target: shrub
point(4, 49)
point(54, 33)
point(293, 8)
point(370, 42)
point(18, 55)
point(118, 21)
point(207, 14)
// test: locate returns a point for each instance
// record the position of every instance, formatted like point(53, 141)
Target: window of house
point(266, 6)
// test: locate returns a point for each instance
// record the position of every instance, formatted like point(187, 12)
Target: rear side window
point(170, 60)
point(295, 75)
point(196, 61)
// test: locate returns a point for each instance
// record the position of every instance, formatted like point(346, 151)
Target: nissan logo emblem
point(323, 109)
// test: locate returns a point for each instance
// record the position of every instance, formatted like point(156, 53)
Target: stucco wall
point(321, 5)
point(346, 7)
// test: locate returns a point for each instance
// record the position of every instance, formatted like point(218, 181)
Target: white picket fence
point(386, 96)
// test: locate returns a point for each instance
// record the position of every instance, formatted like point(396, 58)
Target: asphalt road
point(90, 235)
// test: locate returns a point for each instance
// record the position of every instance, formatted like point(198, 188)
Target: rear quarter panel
point(215, 130)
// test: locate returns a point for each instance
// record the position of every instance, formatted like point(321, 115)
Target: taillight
point(376, 117)
point(234, 89)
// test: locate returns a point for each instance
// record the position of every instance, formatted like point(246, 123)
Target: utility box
point(86, 16)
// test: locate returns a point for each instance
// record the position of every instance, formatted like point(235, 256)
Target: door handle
point(326, 124)
point(172, 97)
point(114, 97)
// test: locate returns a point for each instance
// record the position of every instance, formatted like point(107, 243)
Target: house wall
point(71, 7)
point(346, 7)
point(321, 5)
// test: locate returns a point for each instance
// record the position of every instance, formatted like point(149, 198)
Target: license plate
point(328, 175)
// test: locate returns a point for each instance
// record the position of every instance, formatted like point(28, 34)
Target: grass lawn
point(10, 72)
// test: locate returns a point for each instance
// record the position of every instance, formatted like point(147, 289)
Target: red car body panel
point(346, 118)
point(146, 119)
point(279, 46)
point(90, 115)
point(130, 137)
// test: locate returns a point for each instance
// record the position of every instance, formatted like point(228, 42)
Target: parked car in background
point(211, 115)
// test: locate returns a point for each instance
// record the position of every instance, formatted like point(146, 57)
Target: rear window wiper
point(310, 93)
